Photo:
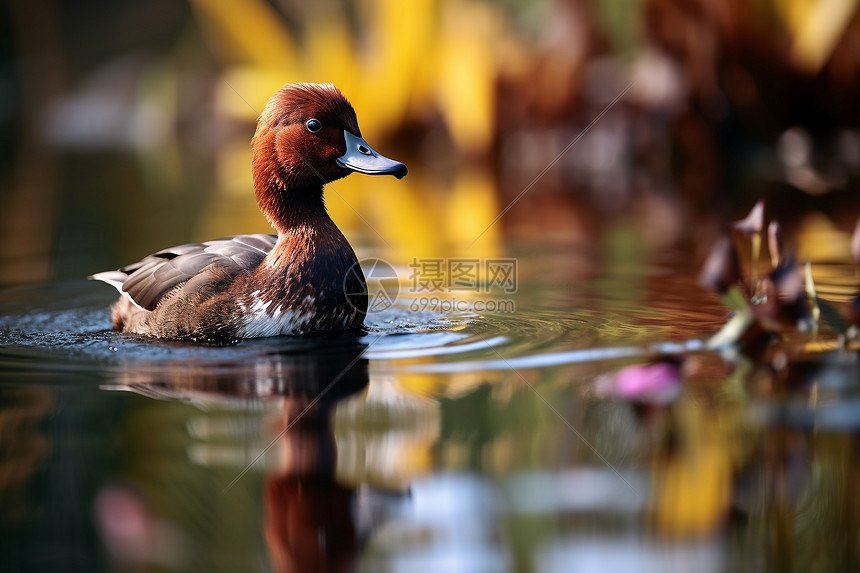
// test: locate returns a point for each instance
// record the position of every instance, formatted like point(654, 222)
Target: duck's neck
point(293, 208)
point(305, 230)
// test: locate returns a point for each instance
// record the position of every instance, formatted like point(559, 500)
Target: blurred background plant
point(125, 126)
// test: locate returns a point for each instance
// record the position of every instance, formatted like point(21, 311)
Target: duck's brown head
point(307, 136)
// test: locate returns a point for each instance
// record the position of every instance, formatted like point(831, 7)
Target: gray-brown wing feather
point(150, 279)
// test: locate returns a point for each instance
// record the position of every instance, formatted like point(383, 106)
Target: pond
point(440, 439)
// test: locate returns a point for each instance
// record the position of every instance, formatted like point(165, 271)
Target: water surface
point(459, 441)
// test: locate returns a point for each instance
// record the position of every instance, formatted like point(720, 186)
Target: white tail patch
point(116, 279)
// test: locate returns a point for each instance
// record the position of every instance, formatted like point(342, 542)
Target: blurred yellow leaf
point(248, 32)
point(330, 55)
point(472, 209)
point(245, 90)
point(467, 74)
point(815, 27)
point(403, 34)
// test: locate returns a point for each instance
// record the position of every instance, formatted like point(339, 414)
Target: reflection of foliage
point(821, 506)
point(797, 506)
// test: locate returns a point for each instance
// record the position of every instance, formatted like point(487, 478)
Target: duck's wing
point(148, 280)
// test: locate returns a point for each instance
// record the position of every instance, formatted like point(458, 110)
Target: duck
point(303, 278)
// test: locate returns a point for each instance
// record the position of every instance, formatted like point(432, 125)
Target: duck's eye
point(313, 125)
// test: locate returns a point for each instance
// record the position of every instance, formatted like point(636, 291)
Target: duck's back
point(183, 291)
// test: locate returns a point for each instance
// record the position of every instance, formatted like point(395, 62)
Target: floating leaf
point(813, 296)
point(751, 227)
point(722, 269)
point(780, 300)
point(735, 299)
point(732, 332)
point(753, 223)
point(774, 243)
point(830, 317)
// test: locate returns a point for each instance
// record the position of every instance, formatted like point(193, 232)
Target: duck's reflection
point(313, 372)
point(309, 517)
